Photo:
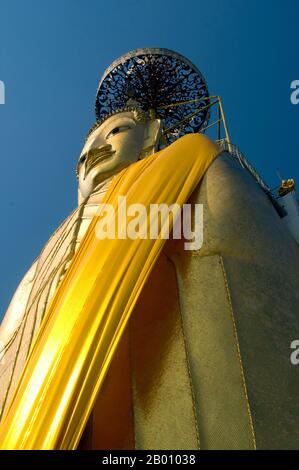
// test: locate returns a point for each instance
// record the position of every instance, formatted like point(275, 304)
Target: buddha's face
point(115, 144)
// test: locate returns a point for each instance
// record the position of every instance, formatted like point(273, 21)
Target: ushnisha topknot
point(138, 113)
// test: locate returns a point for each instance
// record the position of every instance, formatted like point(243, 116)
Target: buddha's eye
point(80, 162)
point(82, 159)
point(117, 130)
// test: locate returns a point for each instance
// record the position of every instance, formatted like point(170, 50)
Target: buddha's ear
point(152, 137)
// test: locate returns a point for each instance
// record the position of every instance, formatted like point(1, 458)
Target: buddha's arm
point(17, 306)
point(239, 301)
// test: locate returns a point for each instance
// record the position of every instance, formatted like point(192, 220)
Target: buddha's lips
point(92, 162)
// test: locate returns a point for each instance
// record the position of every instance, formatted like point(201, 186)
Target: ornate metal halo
point(159, 80)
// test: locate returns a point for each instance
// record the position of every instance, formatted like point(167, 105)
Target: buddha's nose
point(95, 155)
point(105, 148)
point(98, 151)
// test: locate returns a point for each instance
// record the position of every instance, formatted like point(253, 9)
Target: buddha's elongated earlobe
point(152, 137)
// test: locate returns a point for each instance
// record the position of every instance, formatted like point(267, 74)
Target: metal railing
point(236, 153)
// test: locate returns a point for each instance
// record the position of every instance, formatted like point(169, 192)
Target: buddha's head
point(114, 143)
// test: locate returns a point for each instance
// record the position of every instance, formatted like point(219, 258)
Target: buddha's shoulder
point(196, 140)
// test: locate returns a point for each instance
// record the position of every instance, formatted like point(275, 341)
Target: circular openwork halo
point(159, 80)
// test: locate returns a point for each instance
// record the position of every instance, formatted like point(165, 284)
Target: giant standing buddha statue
point(121, 343)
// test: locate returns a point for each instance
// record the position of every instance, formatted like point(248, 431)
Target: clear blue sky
point(52, 54)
